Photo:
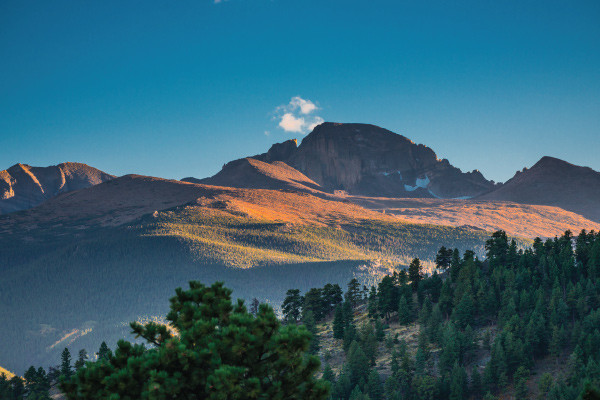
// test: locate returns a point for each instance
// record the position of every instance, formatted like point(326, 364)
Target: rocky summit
point(365, 159)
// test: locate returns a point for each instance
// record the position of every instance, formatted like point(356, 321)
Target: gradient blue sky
point(177, 88)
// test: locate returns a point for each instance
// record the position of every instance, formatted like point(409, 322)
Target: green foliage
point(221, 351)
point(292, 306)
point(415, 273)
point(66, 370)
point(524, 305)
point(339, 323)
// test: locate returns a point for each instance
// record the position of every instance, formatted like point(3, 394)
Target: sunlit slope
point(6, 373)
point(522, 220)
point(80, 266)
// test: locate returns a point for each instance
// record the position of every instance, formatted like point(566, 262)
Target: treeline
point(484, 325)
point(37, 383)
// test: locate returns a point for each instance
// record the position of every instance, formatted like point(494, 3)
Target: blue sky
point(177, 89)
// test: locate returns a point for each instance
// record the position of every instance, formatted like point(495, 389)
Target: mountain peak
point(548, 161)
point(23, 186)
point(554, 182)
point(360, 131)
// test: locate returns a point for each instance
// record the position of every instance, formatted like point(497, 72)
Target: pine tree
point(338, 323)
point(443, 258)
point(404, 311)
point(520, 378)
point(353, 293)
point(309, 322)
point(66, 370)
point(104, 352)
point(358, 363)
point(415, 273)
point(292, 306)
point(81, 359)
point(458, 383)
point(374, 386)
point(387, 294)
point(219, 353)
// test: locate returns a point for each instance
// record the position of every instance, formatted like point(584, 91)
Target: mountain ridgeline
point(366, 160)
point(23, 186)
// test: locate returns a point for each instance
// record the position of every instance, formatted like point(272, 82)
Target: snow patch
point(420, 183)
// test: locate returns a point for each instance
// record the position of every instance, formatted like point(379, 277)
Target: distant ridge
point(554, 182)
point(23, 186)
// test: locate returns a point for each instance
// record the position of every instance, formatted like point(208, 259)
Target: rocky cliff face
point(23, 186)
point(369, 160)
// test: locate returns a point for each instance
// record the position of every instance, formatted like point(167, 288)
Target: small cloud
point(305, 106)
point(290, 123)
point(296, 116)
point(267, 133)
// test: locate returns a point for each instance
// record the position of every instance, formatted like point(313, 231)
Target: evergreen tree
point(415, 273)
point(309, 322)
point(387, 294)
point(219, 353)
point(520, 378)
point(332, 296)
point(81, 359)
point(374, 386)
point(338, 323)
point(443, 258)
point(358, 363)
point(357, 394)
point(353, 293)
point(404, 311)
point(343, 386)
point(104, 352)
point(458, 383)
point(66, 370)
point(314, 302)
point(16, 388)
point(372, 303)
point(292, 306)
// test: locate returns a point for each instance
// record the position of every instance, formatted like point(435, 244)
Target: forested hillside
point(522, 323)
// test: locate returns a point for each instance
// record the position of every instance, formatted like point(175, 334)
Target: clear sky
point(178, 88)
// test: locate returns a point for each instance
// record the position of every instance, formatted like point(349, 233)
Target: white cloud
point(305, 106)
point(290, 123)
point(296, 116)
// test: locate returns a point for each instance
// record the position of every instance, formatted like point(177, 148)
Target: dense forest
point(485, 328)
point(522, 322)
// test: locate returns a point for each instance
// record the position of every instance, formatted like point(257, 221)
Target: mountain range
point(23, 186)
point(351, 200)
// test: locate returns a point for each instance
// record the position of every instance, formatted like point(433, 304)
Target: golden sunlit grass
point(522, 220)
point(224, 232)
point(6, 372)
